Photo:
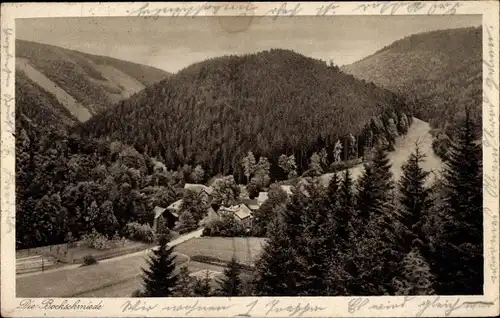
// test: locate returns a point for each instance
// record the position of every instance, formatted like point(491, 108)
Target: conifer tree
point(277, 271)
point(458, 261)
point(230, 284)
point(366, 194)
point(346, 204)
point(415, 277)
point(414, 197)
point(202, 286)
point(160, 278)
point(185, 284)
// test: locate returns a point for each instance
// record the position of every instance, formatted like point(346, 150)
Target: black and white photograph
point(227, 156)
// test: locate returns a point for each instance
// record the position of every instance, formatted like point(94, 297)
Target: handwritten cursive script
point(194, 10)
point(51, 304)
point(284, 10)
point(394, 7)
point(297, 310)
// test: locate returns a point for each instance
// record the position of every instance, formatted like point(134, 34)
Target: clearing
point(120, 276)
point(405, 145)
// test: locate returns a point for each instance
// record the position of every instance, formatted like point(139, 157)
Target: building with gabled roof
point(240, 212)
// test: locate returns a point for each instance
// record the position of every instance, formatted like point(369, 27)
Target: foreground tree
point(160, 278)
point(230, 284)
point(458, 257)
point(202, 286)
point(414, 198)
point(185, 284)
point(276, 266)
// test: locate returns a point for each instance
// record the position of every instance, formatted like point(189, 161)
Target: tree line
point(374, 236)
point(212, 113)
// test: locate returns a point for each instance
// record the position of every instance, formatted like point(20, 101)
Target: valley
point(226, 167)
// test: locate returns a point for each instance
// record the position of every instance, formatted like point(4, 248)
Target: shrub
point(89, 260)
point(225, 227)
point(96, 240)
point(139, 232)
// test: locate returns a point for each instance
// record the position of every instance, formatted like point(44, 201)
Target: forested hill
point(71, 86)
point(439, 71)
point(273, 102)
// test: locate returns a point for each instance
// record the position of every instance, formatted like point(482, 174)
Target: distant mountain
point(439, 72)
point(75, 85)
point(272, 102)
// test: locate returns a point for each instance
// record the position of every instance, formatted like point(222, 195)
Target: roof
point(241, 211)
point(253, 204)
point(175, 206)
point(158, 211)
point(263, 196)
point(195, 187)
point(209, 190)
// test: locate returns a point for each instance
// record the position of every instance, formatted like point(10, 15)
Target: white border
point(260, 306)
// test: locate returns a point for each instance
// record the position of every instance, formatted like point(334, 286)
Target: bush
point(96, 240)
point(218, 262)
point(89, 260)
point(139, 232)
point(225, 227)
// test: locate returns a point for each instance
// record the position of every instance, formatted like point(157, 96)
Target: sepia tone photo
point(167, 157)
point(278, 155)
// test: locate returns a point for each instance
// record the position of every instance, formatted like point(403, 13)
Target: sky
point(172, 44)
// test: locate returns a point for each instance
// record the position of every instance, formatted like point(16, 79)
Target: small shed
point(168, 216)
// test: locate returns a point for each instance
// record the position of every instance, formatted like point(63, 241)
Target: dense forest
point(272, 103)
point(96, 82)
point(365, 237)
point(67, 185)
point(438, 73)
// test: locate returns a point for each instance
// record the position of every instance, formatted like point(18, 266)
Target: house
point(263, 196)
point(201, 189)
point(175, 207)
point(211, 216)
point(240, 212)
point(168, 216)
point(252, 204)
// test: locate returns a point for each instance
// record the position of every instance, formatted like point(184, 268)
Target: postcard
point(293, 159)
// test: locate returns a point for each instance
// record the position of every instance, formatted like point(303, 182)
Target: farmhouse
point(263, 196)
point(175, 207)
point(240, 212)
point(170, 217)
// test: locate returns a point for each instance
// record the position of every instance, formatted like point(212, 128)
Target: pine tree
point(415, 278)
point(458, 259)
point(185, 284)
point(366, 194)
point(230, 284)
point(202, 286)
point(186, 223)
point(414, 198)
point(277, 271)
point(160, 278)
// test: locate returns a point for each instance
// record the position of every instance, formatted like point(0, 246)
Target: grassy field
point(246, 250)
point(120, 277)
point(83, 280)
